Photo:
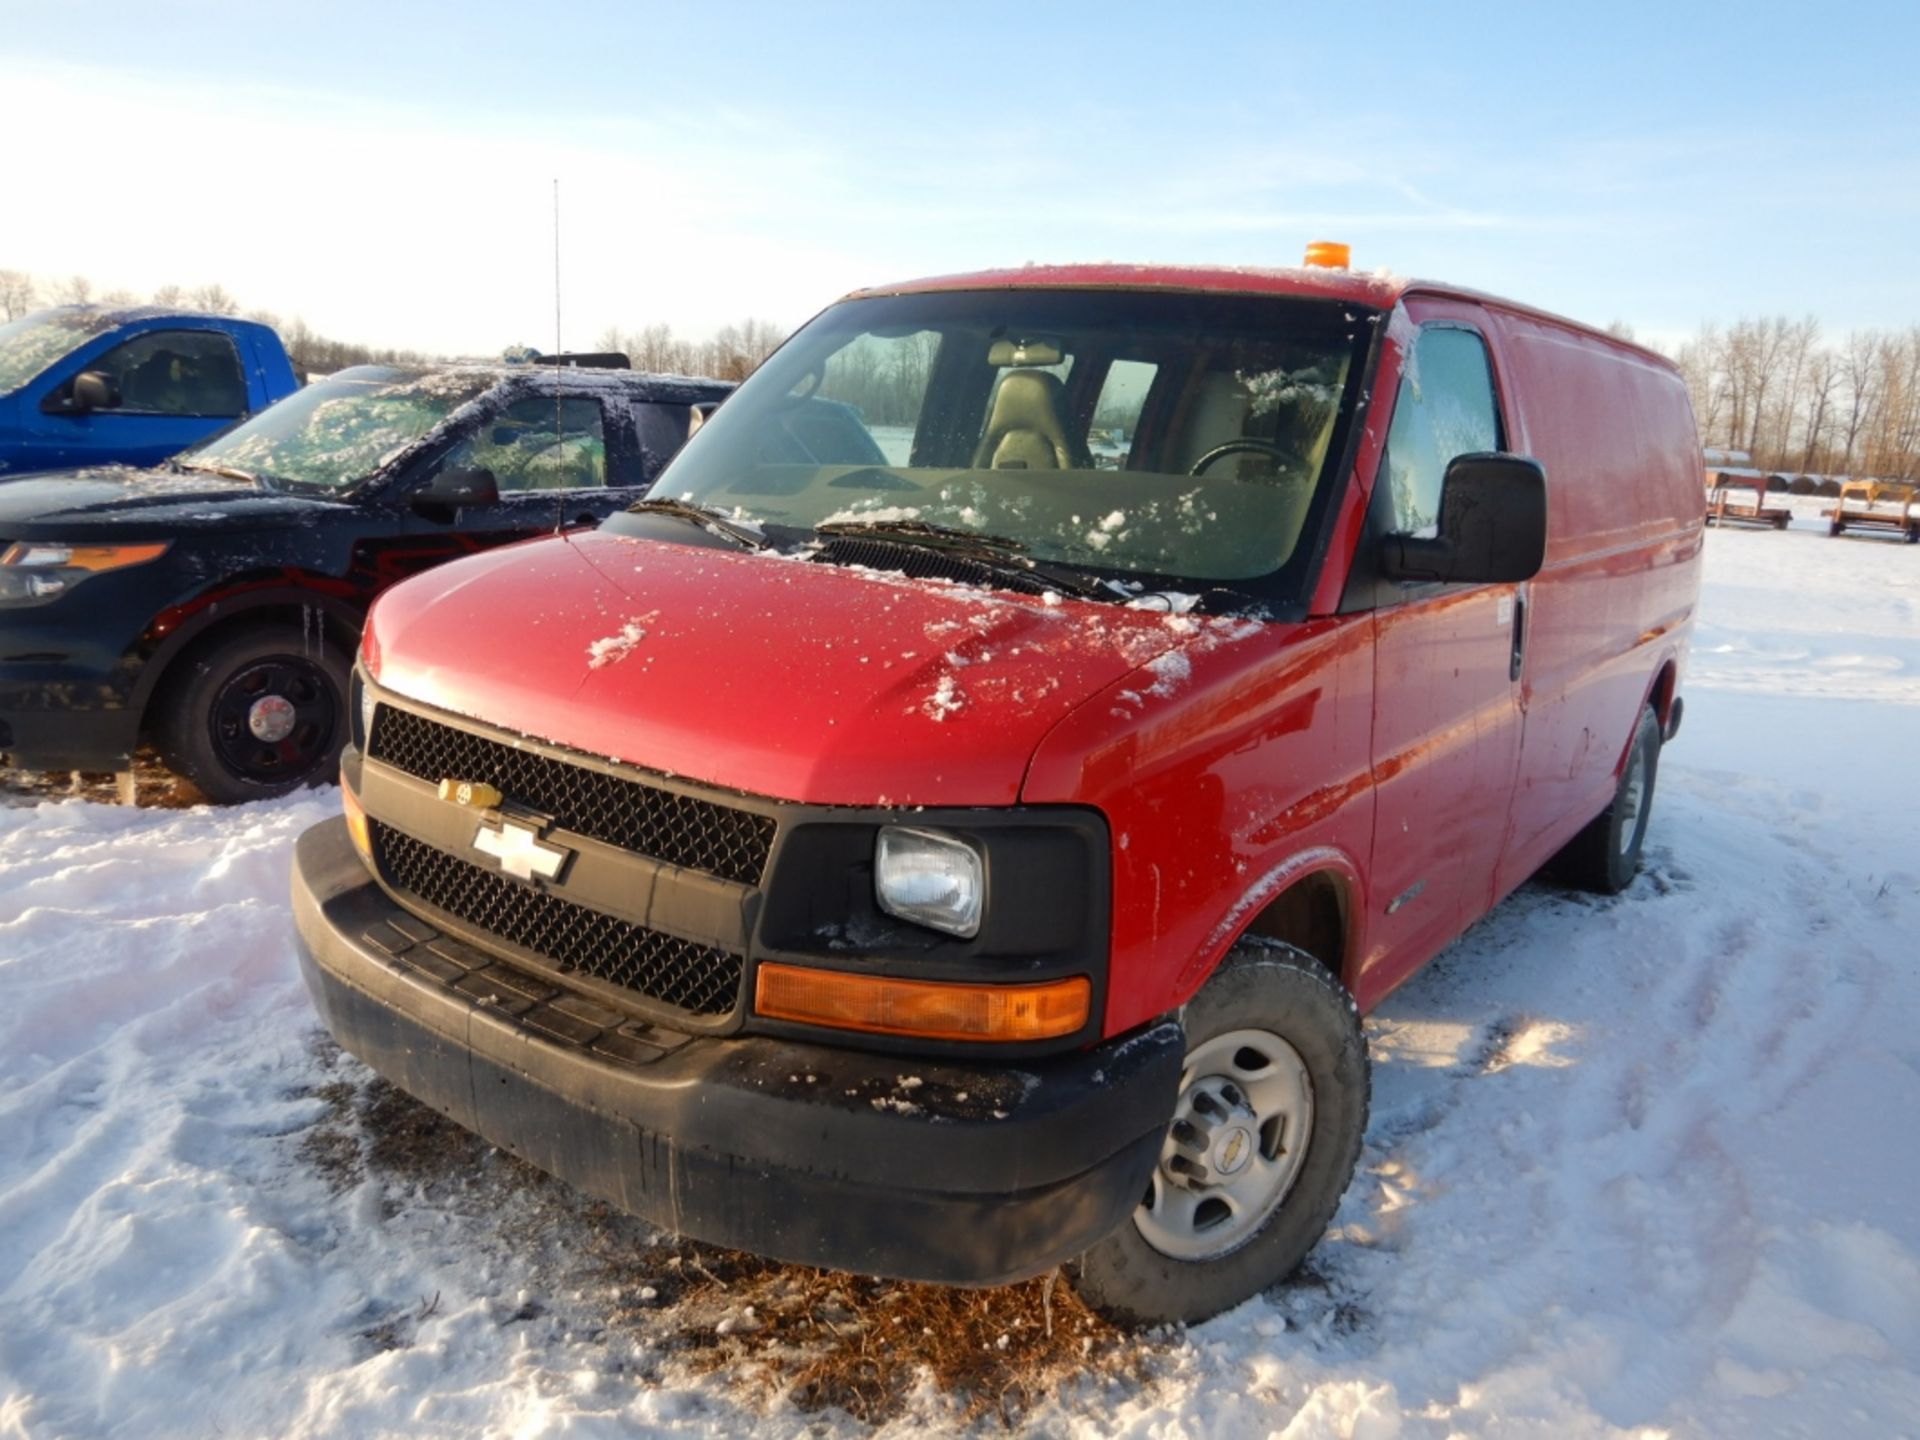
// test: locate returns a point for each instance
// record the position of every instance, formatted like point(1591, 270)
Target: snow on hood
point(776, 677)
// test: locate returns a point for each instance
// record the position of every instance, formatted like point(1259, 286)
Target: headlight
point(367, 706)
point(33, 572)
point(931, 878)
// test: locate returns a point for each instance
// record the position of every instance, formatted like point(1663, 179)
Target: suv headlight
point(33, 572)
point(931, 878)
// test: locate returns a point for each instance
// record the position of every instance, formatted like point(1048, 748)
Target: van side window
point(1446, 407)
point(866, 407)
point(1116, 414)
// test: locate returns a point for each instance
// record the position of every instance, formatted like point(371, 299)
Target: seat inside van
point(1025, 430)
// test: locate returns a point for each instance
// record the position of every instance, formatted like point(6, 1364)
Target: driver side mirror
point(452, 490)
point(88, 391)
point(1493, 526)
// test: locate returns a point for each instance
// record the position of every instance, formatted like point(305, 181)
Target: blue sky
point(385, 170)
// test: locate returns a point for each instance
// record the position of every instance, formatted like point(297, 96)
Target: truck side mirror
point(1493, 526)
point(88, 391)
point(452, 490)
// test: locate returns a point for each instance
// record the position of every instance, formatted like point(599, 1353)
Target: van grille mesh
point(699, 979)
point(646, 819)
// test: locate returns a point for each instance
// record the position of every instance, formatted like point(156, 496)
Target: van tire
point(1272, 989)
point(1604, 857)
point(204, 713)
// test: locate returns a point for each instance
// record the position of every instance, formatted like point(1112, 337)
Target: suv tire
point(1272, 1031)
point(255, 713)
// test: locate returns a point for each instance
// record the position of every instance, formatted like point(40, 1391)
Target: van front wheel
point(1605, 856)
point(1263, 1140)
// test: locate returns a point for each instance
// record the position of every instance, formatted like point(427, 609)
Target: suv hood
point(775, 677)
point(120, 502)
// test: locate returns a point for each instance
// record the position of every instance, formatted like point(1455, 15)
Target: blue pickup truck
point(94, 385)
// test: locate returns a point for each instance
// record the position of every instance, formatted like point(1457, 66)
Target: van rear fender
point(1660, 693)
point(1665, 684)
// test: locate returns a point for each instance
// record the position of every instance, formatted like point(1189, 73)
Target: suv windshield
point(1142, 435)
point(33, 342)
point(337, 431)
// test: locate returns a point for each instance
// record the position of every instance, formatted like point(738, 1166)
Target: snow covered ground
point(1637, 1167)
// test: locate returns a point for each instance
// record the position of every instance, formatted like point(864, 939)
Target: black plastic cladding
point(698, 979)
point(660, 824)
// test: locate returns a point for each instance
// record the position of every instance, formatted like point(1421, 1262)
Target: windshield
point(1164, 436)
point(337, 431)
point(33, 342)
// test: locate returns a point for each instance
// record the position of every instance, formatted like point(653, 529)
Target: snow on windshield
point(334, 434)
point(33, 342)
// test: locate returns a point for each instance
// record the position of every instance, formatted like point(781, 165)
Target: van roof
point(1379, 289)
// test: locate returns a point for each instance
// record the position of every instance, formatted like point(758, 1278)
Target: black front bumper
point(958, 1173)
point(56, 715)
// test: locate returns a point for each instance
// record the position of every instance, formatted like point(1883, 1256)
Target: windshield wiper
point(225, 470)
point(997, 554)
point(924, 532)
point(702, 515)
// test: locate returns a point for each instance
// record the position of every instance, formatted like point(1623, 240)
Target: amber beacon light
point(933, 1010)
point(1328, 254)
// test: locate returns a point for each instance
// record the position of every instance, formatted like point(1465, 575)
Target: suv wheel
point(256, 714)
point(1264, 1138)
point(1605, 856)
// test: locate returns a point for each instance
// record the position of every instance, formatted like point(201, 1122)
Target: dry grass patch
point(874, 1349)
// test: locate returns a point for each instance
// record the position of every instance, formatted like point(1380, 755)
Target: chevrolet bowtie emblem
point(471, 793)
point(520, 851)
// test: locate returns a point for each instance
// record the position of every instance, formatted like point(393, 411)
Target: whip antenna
point(559, 436)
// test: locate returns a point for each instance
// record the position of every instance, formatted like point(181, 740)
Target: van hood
point(757, 673)
point(121, 502)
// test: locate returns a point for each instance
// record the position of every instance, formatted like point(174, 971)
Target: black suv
point(212, 605)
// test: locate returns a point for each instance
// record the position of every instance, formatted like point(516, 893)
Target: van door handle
point(1518, 654)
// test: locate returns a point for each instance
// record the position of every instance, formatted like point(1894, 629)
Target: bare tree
point(170, 297)
point(74, 290)
point(215, 300)
point(1824, 374)
point(656, 349)
point(1701, 363)
point(16, 293)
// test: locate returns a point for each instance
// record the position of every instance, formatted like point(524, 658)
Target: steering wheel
point(1240, 447)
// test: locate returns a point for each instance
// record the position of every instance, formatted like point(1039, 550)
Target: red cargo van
point(954, 826)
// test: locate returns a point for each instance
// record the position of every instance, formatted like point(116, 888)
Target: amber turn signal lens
point(928, 1009)
point(1328, 254)
point(356, 820)
point(82, 557)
